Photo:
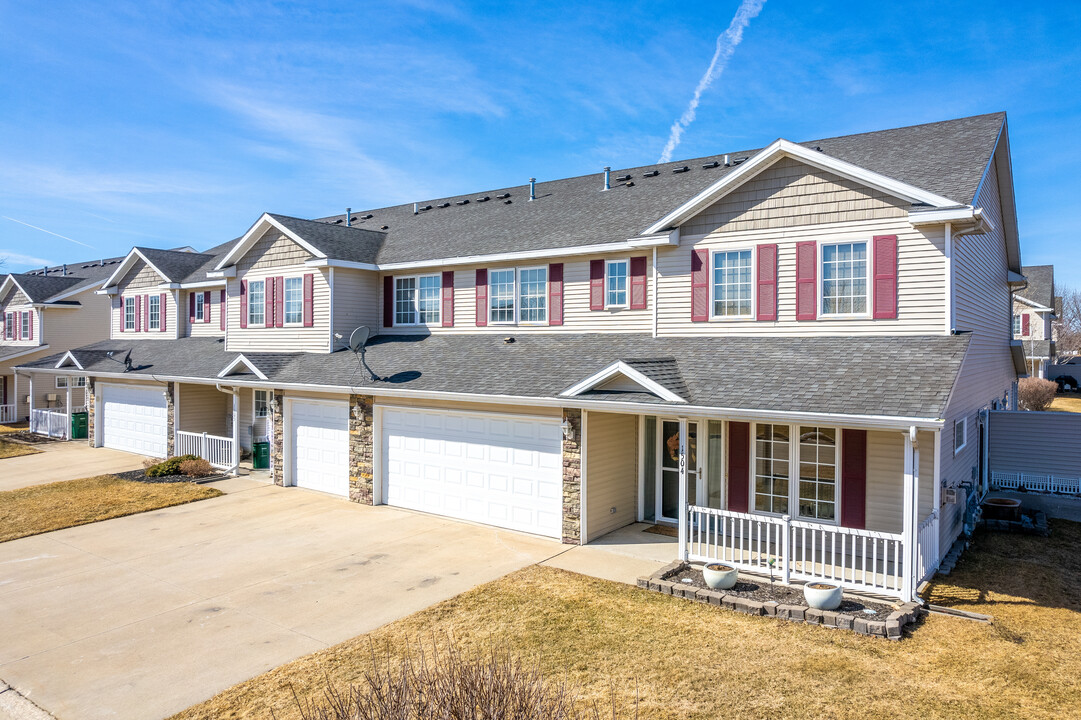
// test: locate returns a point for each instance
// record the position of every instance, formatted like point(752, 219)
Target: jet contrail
point(65, 237)
point(726, 45)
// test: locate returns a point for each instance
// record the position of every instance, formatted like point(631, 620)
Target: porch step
point(952, 556)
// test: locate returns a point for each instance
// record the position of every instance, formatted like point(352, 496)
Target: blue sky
point(160, 124)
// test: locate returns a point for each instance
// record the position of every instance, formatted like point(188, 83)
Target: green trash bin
point(78, 425)
point(260, 455)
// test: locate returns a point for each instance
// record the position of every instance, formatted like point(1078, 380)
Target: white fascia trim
point(9, 280)
point(132, 256)
point(193, 285)
point(72, 358)
point(1033, 304)
point(621, 368)
point(241, 360)
point(56, 306)
point(779, 148)
point(261, 225)
point(228, 272)
point(950, 215)
point(660, 240)
point(27, 351)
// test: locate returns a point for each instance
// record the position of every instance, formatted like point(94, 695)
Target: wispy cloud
point(50, 232)
point(14, 258)
point(727, 42)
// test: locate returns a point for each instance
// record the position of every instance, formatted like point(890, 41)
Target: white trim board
point(125, 266)
point(264, 223)
point(238, 361)
point(621, 368)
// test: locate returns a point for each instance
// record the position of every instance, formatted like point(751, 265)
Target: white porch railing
point(53, 423)
point(7, 414)
point(1035, 483)
point(858, 559)
point(216, 450)
point(926, 559)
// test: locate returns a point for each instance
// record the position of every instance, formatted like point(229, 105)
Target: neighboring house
point(784, 352)
point(1033, 315)
point(41, 313)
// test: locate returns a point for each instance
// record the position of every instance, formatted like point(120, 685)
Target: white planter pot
point(822, 595)
point(719, 577)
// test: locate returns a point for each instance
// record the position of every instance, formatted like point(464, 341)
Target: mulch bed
point(140, 476)
point(762, 591)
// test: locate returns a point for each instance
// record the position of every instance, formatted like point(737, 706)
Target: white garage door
point(320, 445)
point(135, 419)
point(492, 469)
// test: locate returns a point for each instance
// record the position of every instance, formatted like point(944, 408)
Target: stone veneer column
point(277, 439)
point(90, 407)
point(361, 449)
point(170, 414)
point(572, 478)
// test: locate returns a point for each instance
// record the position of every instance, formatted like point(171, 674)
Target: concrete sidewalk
point(60, 461)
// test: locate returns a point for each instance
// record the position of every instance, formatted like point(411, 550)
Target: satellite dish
point(359, 338)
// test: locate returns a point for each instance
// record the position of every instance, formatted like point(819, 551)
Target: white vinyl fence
point(7, 414)
point(53, 423)
point(216, 450)
point(1035, 483)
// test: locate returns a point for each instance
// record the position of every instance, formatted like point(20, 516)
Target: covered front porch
point(207, 424)
point(855, 506)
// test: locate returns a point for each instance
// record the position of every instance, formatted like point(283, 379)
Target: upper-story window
point(256, 300)
point(960, 435)
point(518, 295)
point(1017, 326)
point(416, 300)
point(129, 313)
point(844, 279)
point(9, 326)
point(154, 312)
point(732, 283)
point(200, 306)
point(294, 300)
point(615, 283)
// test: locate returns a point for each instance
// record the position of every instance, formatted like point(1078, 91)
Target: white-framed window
point(1017, 325)
point(616, 275)
point(200, 306)
point(844, 279)
point(154, 312)
point(294, 300)
point(76, 381)
point(501, 296)
point(732, 284)
point(417, 300)
point(533, 295)
point(129, 313)
point(256, 302)
point(960, 434)
point(260, 406)
point(817, 473)
point(518, 295)
point(771, 468)
point(28, 317)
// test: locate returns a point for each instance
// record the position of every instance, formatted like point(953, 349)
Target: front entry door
point(668, 482)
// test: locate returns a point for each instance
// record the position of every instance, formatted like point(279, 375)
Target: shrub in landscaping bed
point(168, 467)
point(197, 468)
point(1036, 393)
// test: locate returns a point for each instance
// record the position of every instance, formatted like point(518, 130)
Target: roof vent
point(426, 207)
point(348, 217)
point(680, 169)
point(508, 341)
point(630, 184)
point(101, 263)
point(416, 210)
point(385, 227)
point(483, 199)
point(818, 148)
point(443, 205)
point(462, 202)
point(45, 270)
point(65, 270)
point(607, 178)
point(532, 189)
point(367, 217)
point(507, 202)
point(339, 222)
point(738, 161)
point(710, 165)
point(504, 196)
point(726, 163)
point(623, 178)
point(651, 173)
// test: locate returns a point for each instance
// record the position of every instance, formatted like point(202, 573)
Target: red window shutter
point(885, 277)
point(806, 280)
point(854, 478)
point(162, 311)
point(279, 301)
point(309, 299)
point(739, 466)
point(146, 312)
point(268, 296)
point(388, 301)
point(123, 314)
point(446, 287)
point(700, 285)
point(222, 307)
point(206, 306)
point(138, 313)
point(596, 284)
point(767, 282)
point(638, 283)
point(1024, 325)
point(191, 310)
point(555, 294)
point(482, 297)
point(243, 303)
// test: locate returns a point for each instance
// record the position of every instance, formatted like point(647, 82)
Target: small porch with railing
point(8, 413)
point(207, 424)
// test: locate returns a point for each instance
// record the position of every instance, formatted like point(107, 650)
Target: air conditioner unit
point(28, 399)
point(50, 397)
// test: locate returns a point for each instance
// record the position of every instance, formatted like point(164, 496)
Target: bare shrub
point(1036, 393)
point(430, 685)
point(196, 467)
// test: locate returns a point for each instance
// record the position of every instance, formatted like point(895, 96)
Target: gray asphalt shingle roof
point(888, 376)
point(42, 287)
point(1041, 284)
point(176, 265)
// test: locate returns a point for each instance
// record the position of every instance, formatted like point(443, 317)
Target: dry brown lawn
point(693, 661)
point(1066, 403)
point(14, 427)
point(10, 449)
point(43, 508)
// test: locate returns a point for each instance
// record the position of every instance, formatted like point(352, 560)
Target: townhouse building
point(1033, 318)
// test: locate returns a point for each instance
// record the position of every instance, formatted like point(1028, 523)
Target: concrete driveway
point(63, 461)
point(143, 616)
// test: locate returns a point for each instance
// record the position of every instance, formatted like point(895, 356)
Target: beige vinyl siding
point(385, 400)
point(142, 280)
point(201, 328)
point(247, 413)
point(356, 302)
point(982, 308)
point(203, 408)
point(45, 385)
point(272, 255)
point(17, 302)
point(611, 472)
point(886, 477)
point(577, 317)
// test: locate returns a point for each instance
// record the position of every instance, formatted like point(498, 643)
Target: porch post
point(30, 403)
point(683, 524)
point(67, 428)
point(911, 487)
point(936, 495)
point(15, 395)
point(235, 460)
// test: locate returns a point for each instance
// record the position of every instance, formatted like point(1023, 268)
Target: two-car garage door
point(493, 469)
